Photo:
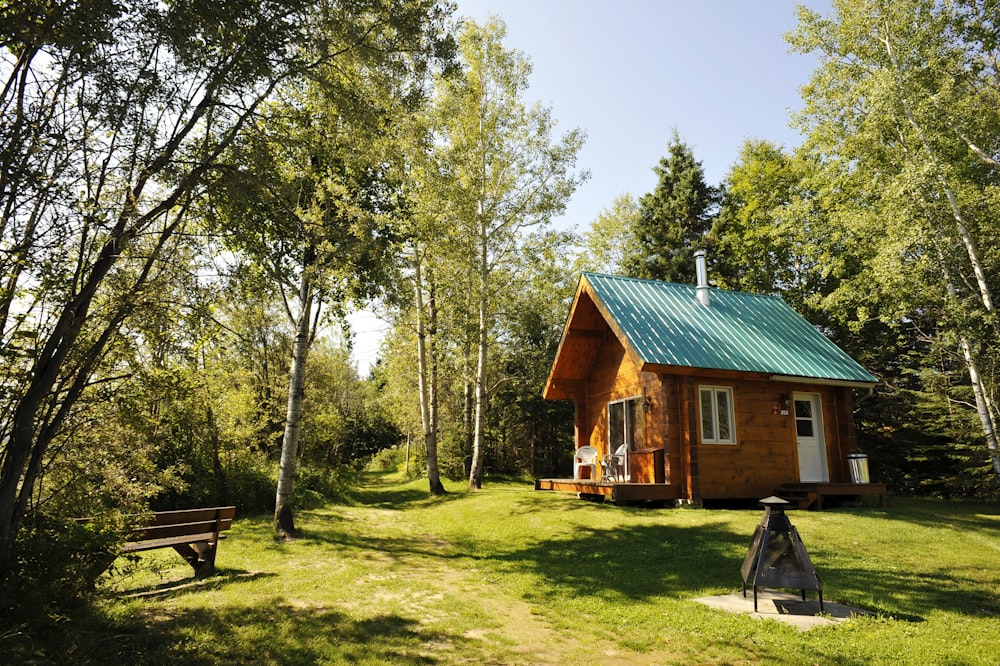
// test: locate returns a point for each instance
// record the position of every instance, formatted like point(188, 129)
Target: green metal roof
point(665, 324)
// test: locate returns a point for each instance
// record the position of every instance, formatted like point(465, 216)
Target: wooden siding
point(765, 454)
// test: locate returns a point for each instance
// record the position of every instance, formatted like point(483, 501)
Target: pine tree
point(674, 219)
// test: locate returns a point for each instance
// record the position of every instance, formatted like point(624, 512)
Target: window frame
point(634, 432)
point(715, 391)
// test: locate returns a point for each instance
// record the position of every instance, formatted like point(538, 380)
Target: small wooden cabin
point(714, 394)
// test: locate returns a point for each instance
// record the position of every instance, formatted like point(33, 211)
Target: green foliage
point(388, 460)
point(316, 486)
point(345, 422)
point(57, 567)
point(607, 242)
point(674, 219)
point(901, 117)
point(531, 435)
point(250, 482)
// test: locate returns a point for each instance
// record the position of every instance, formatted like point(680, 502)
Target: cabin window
point(717, 423)
point(625, 424)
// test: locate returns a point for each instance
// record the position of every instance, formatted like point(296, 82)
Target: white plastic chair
point(585, 458)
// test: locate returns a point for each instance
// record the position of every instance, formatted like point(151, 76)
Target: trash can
point(859, 467)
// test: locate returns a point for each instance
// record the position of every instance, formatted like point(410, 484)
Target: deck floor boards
point(807, 495)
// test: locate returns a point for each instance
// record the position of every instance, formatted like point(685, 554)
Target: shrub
point(56, 566)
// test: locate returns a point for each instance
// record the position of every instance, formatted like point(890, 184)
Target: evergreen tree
point(674, 219)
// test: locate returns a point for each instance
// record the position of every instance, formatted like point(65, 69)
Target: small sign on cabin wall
point(778, 410)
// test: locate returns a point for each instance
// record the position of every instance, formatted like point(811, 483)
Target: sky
point(630, 72)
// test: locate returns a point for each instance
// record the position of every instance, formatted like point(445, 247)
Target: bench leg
point(200, 555)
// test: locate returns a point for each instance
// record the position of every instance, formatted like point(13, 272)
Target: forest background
point(193, 196)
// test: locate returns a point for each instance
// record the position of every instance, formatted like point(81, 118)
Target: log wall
point(765, 455)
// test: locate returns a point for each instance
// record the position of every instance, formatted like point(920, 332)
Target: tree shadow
point(903, 595)
point(640, 562)
point(372, 489)
point(282, 632)
point(173, 588)
point(635, 561)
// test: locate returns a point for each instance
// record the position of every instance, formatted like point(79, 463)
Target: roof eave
point(850, 383)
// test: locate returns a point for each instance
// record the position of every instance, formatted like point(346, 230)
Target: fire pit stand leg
point(754, 598)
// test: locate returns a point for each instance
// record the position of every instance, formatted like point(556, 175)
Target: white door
point(809, 437)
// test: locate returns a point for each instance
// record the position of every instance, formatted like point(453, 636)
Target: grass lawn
point(508, 575)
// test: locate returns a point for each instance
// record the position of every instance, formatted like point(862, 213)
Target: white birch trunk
point(284, 523)
point(479, 431)
point(982, 406)
point(427, 389)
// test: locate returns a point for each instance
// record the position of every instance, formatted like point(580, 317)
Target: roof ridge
point(682, 284)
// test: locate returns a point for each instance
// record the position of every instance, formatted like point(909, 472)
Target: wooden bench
point(194, 533)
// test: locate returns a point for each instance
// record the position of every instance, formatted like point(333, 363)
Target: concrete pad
point(784, 607)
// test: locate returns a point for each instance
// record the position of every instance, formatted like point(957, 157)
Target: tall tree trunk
point(968, 241)
point(284, 522)
point(479, 432)
point(984, 408)
point(468, 395)
point(436, 487)
point(428, 413)
point(982, 405)
point(34, 423)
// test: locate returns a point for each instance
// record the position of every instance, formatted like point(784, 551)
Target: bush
point(314, 486)
point(56, 567)
point(388, 460)
point(250, 483)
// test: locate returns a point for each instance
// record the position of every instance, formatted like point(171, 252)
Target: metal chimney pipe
point(702, 290)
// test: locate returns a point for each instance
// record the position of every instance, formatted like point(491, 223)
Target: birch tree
point(506, 175)
point(905, 103)
point(314, 192)
point(114, 116)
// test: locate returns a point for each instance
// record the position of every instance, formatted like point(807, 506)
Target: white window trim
point(731, 441)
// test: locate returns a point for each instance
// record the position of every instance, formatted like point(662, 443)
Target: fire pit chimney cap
point(774, 501)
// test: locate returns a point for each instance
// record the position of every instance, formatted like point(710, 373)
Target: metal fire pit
point(777, 557)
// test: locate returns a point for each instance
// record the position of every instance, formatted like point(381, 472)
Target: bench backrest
point(185, 522)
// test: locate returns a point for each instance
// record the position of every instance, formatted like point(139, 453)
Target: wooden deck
point(801, 495)
point(810, 495)
point(616, 491)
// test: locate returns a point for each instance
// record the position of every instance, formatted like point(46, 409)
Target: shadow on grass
point(904, 595)
point(279, 632)
point(222, 577)
point(376, 490)
point(640, 562)
point(943, 513)
point(332, 531)
point(635, 561)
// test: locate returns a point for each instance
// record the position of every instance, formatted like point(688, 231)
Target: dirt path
point(428, 578)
